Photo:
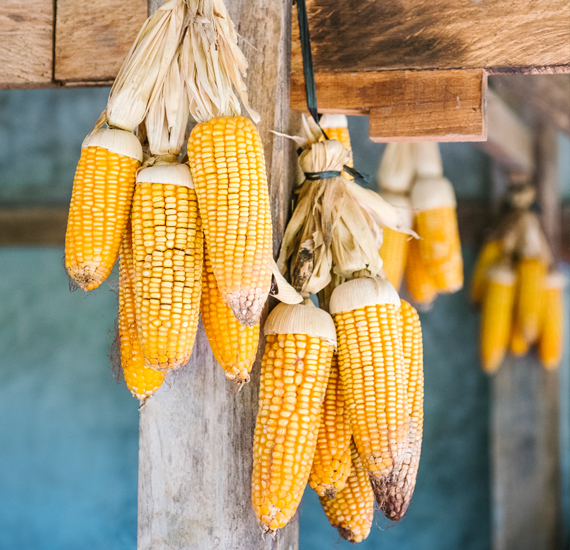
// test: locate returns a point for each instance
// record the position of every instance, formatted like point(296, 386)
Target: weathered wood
point(195, 457)
point(26, 43)
point(509, 140)
point(404, 105)
point(33, 226)
point(524, 437)
point(92, 39)
point(513, 35)
point(547, 96)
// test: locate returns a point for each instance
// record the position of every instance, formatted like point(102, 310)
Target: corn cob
point(530, 296)
point(489, 255)
point(419, 283)
point(100, 204)
point(331, 464)
point(366, 314)
point(352, 511)
point(142, 381)
point(234, 345)
point(436, 223)
point(496, 316)
point(394, 249)
point(551, 342)
point(228, 167)
point(394, 491)
point(168, 252)
point(518, 345)
point(294, 373)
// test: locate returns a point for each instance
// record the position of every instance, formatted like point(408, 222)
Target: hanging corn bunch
point(352, 511)
point(294, 373)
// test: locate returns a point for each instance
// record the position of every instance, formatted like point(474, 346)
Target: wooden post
point(195, 450)
point(525, 420)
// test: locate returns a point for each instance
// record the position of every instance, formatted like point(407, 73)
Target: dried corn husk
point(532, 241)
point(397, 169)
point(337, 225)
point(428, 160)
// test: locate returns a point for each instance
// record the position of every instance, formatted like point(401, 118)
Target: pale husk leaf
point(285, 292)
point(429, 193)
point(363, 292)
point(397, 168)
point(428, 159)
point(117, 141)
point(532, 242)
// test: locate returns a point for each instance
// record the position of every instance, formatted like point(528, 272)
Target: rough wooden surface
point(404, 105)
point(513, 35)
point(510, 141)
point(26, 43)
point(195, 456)
point(92, 39)
point(548, 96)
point(29, 226)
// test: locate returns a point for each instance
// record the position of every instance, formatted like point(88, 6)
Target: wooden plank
point(547, 96)
point(92, 39)
point(511, 35)
point(33, 226)
point(195, 457)
point(509, 141)
point(405, 105)
point(524, 432)
point(26, 43)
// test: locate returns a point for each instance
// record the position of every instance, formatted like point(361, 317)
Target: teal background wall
point(68, 431)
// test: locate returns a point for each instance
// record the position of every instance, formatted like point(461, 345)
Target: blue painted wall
point(68, 432)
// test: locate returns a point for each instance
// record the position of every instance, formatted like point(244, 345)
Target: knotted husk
point(336, 226)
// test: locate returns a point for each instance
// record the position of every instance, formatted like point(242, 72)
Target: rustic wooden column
point(195, 450)
point(525, 419)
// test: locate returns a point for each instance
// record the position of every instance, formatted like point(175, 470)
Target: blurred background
point(69, 431)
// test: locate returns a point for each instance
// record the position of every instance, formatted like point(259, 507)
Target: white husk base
point(556, 279)
point(402, 204)
point(117, 141)
point(429, 193)
point(333, 121)
point(301, 319)
point(532, 242)
point(502, 274)
point(363, 292)
point(174, 174)
point(428, 159)
point(397, 169)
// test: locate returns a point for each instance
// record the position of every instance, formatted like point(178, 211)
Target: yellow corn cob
point(371, 362)
point(340, 134)
point(228, 167)
point(100, 205)
point(489, 255)
point(352, 511)
point(294, 373)
point(421, 287)
point(234, 345)
point(440, 248)
point(530, 296)
point(496, 317)
point(394, 491)
point(142, 381)
point(168, 251)
point(518, 344)
point(394, 254)
point(331, 464)
point(551, 342)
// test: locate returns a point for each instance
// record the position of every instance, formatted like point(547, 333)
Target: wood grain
point(195, 457)
point(33, 226)
point(510, 141)
point(26, 43)
point(511, 35)
point(92, 39)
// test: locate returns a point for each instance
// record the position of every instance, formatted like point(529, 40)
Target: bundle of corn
point(294, 373)
point(105, 178)
point(352, 511)
point(510, 280)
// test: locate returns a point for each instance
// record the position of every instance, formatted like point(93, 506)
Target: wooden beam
point(547, 96)
point(33, 226)
point(511, 35)
point(509, 140)
point(26, 43)
point(195, 453)
point(92, 39)
point(404, 105)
